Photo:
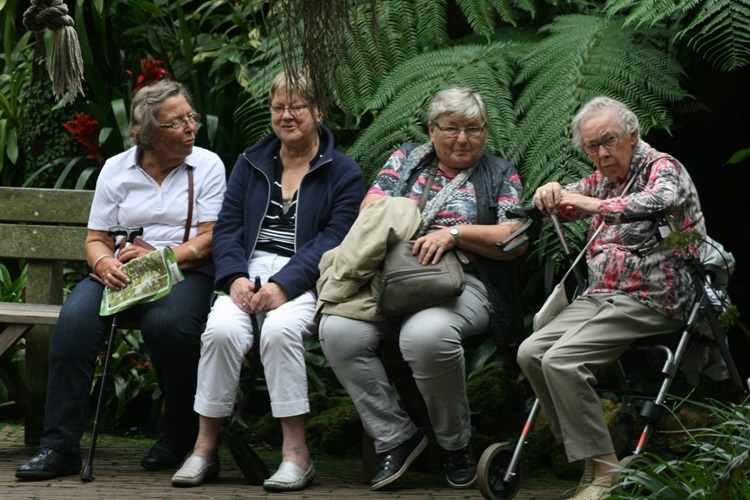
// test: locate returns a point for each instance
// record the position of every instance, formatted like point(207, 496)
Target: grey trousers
point(562, 358)
point(430, 342)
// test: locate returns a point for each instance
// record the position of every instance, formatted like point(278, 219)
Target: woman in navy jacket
point(290, 198)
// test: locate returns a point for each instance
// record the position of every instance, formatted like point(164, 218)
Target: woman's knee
point(339, 342)
point(223, 334)
point(427, 342)
point(527, 354)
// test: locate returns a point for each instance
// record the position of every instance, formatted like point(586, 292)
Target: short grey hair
point(297, 82)
point(626, 119)
point(143, 125)
point(460, 102)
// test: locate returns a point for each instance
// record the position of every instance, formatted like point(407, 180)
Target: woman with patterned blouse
point(628, 297)
point(465, 208)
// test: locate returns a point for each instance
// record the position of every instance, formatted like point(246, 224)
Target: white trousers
point(229, 337)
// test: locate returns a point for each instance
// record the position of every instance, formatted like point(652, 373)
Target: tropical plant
point(131, 375)
point(717, 464)
point(12, 290)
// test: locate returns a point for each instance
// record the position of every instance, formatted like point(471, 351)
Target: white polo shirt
point(126, 195)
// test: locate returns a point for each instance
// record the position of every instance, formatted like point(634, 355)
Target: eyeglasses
point(471, 132)
point(592, 149)
point(293, 110)
point(181, 123)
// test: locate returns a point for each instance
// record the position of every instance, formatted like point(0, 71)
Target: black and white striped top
point(277, 231)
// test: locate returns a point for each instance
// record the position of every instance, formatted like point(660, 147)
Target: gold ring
point(244, 304)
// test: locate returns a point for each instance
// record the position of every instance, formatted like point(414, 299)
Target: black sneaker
point(393, 463)
point(167, 453)
point(460, 467)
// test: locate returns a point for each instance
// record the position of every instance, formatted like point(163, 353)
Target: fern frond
point(720, 32)
point(432, 28)
point(400, 104)
point(480, 14)
point(648, 12)
point(507, 9)
point(719, 29)
point(580, 58)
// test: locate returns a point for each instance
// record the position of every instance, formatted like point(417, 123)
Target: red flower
point(84, 131)
point(151, 71)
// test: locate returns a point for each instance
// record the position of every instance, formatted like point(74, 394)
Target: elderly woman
point(477, 189)
point(628, 297)
point(290, 198)
point(148, 186)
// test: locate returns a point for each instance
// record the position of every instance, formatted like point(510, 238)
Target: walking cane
point(130, 234)
point(250, 464)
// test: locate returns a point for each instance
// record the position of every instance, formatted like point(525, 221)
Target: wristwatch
point(454, 233)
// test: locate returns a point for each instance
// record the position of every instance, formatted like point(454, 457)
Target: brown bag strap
point(427, 187)
point(189, 222)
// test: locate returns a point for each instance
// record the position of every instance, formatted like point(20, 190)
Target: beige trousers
point(561, 361)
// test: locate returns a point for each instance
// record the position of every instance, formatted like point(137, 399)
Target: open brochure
point(151, 277)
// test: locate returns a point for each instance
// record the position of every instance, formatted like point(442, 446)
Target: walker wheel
point(491, 470)
point(620, 482)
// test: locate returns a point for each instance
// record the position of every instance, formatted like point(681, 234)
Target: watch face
point(454, 231)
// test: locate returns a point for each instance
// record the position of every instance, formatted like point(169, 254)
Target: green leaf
point(739, 156)
point(121, 118)
point(582, 57)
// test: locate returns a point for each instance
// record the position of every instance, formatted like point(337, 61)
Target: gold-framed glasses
point(293, 110)
point(471, 132)
point(592, 148)
point(181, 123)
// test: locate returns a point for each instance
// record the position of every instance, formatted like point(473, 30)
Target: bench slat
point(26, 241)
point(18, 313)
point(62, 206)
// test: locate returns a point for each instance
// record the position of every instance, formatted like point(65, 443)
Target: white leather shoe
point(195, 471)
point(289, 477)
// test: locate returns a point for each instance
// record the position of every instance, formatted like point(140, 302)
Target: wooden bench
point(46, 228)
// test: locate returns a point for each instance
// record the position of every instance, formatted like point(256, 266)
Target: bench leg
point(37, 370)
point(12, 380)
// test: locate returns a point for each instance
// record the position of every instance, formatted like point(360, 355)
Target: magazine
point(151, 277)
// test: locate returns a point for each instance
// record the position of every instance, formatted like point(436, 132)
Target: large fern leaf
point(401, 102)
point(719, 30)
point(580, 58)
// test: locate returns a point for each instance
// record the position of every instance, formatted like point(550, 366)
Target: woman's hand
point(430, 248)
point(547, 197)
point(270, 296)
point(111, 273)
point(243, 294)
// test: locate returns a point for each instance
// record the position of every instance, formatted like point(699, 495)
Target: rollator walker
point(499, 470)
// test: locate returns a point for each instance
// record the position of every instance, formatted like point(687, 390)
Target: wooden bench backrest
point(45, 227)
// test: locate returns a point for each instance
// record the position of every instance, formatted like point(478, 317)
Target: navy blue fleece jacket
point(328, 201)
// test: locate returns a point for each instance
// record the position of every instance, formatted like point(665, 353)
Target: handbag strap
point(189, 221)
point(427, 187)
point(441, 198)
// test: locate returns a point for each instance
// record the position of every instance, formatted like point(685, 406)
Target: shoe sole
point(192, 482)
point(42, 476)
point(414, 454)
point(461, 486)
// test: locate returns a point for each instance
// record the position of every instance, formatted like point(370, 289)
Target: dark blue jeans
point(171, 328)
